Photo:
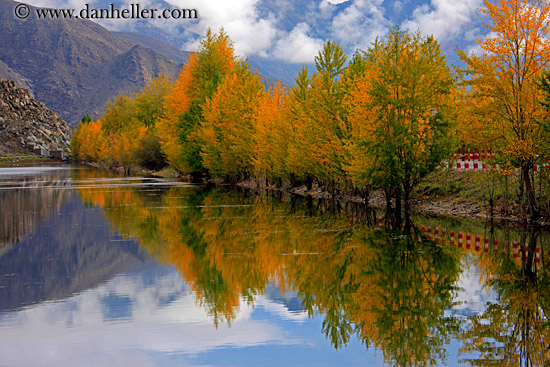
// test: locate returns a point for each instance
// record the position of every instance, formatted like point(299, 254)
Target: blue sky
point(293, 31)
point(151, 317)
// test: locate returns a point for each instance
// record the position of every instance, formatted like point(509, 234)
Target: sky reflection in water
point(104, 270)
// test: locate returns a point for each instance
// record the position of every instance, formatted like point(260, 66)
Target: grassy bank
point(17, 160)
point(479, 193)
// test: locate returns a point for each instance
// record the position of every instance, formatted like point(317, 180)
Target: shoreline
point(420, 204)
point(451, 204)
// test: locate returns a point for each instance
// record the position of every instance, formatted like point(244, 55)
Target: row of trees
point(385, 119)
point(381, 120)
point(126, 135)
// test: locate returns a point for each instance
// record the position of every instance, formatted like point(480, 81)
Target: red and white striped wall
point(477, 160)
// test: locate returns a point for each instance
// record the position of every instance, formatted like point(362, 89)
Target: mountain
point(264, 67)
point(7, 73)
point(26, 124)
point(74, 65)
point(26, 202)
point(156, 44)
point(70, 251)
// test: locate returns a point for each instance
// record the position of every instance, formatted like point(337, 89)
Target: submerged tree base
point(466, 194)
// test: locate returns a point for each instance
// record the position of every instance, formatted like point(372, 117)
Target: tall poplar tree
point(315, 112)
point(399, 113)
point(229, 124)
point(180, 130)
point(503, 86)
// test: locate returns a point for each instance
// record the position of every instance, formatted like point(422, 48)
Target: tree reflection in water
point(515, 330)
point(391, 288)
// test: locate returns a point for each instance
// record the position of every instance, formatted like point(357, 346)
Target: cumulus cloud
point(444, 19)
point(295, 33)
point(81, 331)
point(297, 46)
point(359, 24)
point(250, 33)
point(397, 7)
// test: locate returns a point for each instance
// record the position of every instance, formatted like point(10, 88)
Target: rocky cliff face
point(26, 124)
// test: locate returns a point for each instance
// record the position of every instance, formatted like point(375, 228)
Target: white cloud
point(359, 24)
point(444, 19)
point(471, 298)
point(296, 34)
point(249, 33)
point(297, 46)
point(397, 7)
point(77, 331)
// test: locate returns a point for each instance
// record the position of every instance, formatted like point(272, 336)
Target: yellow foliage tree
point(180, 130)
point(269, 152)
point(504, 97)
point(228, 126)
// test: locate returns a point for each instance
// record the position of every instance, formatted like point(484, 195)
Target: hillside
point(26, 123)
point(159, 46)
point(178, 55)
point(85, 255)
point(74, 65)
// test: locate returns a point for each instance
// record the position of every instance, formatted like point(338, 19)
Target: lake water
point(103, 270)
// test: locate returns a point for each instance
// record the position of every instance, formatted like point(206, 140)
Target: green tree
point(86, 118)
point(400, 113)
point(316, 114)
point(180, 131)
point(228, 126)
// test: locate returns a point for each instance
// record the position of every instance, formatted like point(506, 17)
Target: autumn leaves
point(370, 122)
point(126, 135)
point(504, 100)
point(385, 119)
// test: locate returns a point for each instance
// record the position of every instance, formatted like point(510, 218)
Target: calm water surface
point(102, 270)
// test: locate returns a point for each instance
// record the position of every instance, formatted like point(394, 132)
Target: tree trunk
point(531, 247)
point(530, 192)
point(397, 221)
point(407, 197)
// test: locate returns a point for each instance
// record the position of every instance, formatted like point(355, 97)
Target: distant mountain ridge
point(74, 66)
point(159, 46)
point(178, 55)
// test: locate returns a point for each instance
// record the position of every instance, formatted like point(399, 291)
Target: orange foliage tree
point(180, 130)
point(503, 94)
point(269, 146)
point(88, 141)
